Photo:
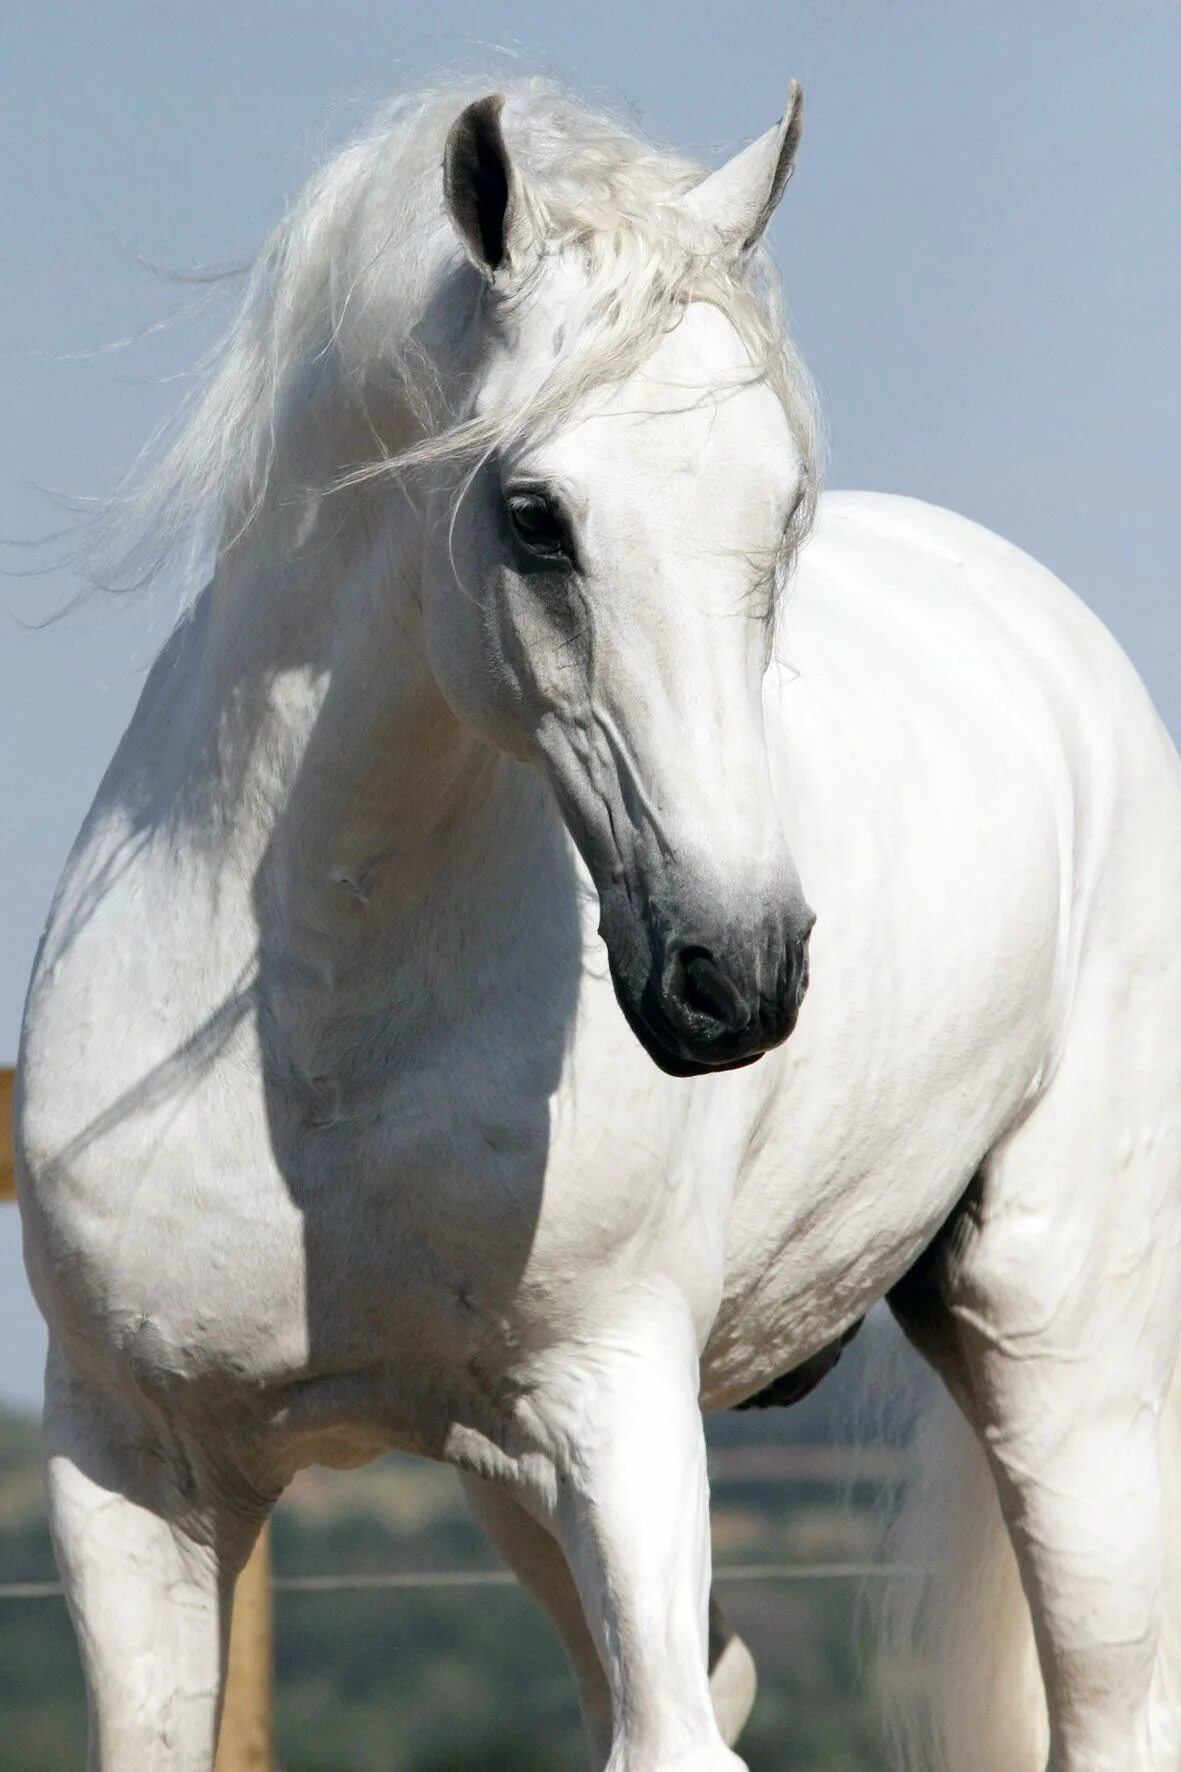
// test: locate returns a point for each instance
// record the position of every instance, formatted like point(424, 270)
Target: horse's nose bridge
point(735, 893)
point(701, 832)
point(734, 855)
point(686, 678)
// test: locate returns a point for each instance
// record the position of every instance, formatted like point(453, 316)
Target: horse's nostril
point(706, 990)
point(803, 971)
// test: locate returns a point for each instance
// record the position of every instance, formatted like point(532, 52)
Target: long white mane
point(362, 294)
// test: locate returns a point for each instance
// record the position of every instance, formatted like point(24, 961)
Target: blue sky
point(980, 249)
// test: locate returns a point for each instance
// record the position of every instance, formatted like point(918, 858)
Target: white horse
point(332, 1134)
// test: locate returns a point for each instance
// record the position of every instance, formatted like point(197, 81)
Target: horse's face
point(600, 602)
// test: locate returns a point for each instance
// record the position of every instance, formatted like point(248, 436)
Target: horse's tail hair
point(955, 1666)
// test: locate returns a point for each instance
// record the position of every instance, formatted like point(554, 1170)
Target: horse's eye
point(538, 525)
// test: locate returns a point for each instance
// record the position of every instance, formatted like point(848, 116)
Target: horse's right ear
point(483, 192)
point(735, 203)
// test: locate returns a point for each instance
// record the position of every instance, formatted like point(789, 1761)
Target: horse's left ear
point(735, 203)
point(483, 192)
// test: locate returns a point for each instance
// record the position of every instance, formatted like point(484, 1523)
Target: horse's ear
point(734, 204)
point(483, 191)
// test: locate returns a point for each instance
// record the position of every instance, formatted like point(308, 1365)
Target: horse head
point(599, 596)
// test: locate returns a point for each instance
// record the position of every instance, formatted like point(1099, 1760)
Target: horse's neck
point(369, 824)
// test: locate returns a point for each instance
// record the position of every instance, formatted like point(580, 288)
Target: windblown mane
point(348, 281)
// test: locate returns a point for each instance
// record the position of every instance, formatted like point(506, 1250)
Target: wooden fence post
point(245, 1742)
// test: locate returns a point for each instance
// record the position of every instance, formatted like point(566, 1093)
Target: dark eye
point(538, 525)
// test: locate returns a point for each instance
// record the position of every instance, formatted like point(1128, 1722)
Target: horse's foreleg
point(624, 1493)
point(537, 1559)
point(539, 1563)
point(148, 1557)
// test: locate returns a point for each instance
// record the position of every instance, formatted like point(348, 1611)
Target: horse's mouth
point(663, 1046)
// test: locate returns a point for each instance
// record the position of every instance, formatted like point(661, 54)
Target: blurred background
point(981, 255)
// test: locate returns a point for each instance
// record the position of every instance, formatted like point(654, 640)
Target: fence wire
point(410, 1581)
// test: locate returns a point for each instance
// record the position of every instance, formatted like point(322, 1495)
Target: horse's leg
point(148, 1554)
point(537, 1559)
point(622, 1487)
point(1051, 1308)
